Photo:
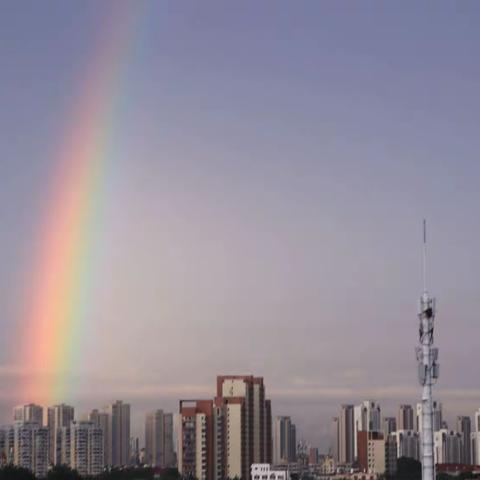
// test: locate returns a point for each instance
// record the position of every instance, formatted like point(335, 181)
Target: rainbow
point(58, 302)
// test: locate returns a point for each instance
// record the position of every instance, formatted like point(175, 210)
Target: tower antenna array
point(428, 371)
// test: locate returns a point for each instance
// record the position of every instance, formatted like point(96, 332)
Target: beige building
point(219, 438)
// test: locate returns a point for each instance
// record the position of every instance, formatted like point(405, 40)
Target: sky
point(269, 167)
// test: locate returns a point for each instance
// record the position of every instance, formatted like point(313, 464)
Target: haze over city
point(268, 169)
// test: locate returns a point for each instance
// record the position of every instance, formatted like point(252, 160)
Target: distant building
point(219, 438)
point(30, 448)
point(391, 454)
point(464, 427)
point(475, 447)
point(119, 432)
point(408, 444)
point(345, 435)
point(448, 447)
point(284, 441)
point(367, 418)
point(101, 420)
point(263, 471)
point(28, 413)
point(389, 426)
point(405, 418)
point(159, 439)
point(58, 417)
point(313, 456)
point(86, 450)
point(371, 451)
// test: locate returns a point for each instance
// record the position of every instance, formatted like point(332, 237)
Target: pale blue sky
point(272, 163)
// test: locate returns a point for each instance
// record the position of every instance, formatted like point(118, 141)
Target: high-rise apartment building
point(220, 438)
point(86, 450)
point(28, 413)
point(119, 432)
point(367, 418)
point(159, 439)
point(389, 426)
point(448, 447)
point(405, 418)
point(464, 427)
point(408, 444)
point(58, 417)
point(101, 420)
point(30, 447)
point(196, 440)
point(247, 419)
point(284, 441)
point(345, 435)
point(371, 451)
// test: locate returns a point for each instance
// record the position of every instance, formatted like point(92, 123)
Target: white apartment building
point(408, 444)
point(263, 471)
point(86, 450)
point(30, 447)
point(28, 413)
point(367, 417)
point(448, 446)
point(58, 417)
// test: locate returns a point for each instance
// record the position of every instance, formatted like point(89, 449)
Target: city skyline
point(259, 200)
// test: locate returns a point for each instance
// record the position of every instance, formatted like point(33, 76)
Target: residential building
point(58, 417)
point(313, 456)
point(263, 471)
point(102, 420)
point(371, 451)
point(389, 426)
point(195, 446)
point(159, 439)
point(367, 418)
point(464, 427)
point(284, 441)
point(345, 435)
point(119, 432)
point(405, 418)
point(391, 454)
point(30, 447)
point(448, 446)
point(86, 451)
point(219, 438)
point(475, 447)
point(408, 444)
point(28, 413)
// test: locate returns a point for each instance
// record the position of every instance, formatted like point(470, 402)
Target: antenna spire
point(424, 256)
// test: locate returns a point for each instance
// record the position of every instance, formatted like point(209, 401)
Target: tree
point(62, 472)
point(15, 473)
point(408, 469)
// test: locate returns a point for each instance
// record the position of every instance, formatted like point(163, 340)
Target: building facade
point(30, 447)
point(159, 439)
point(405, 418)
point(284, 441)
point(119, 433)
point(345, 435)
point(58, 417)
point(408, 444)
point(86, 451)
point(464, 427)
